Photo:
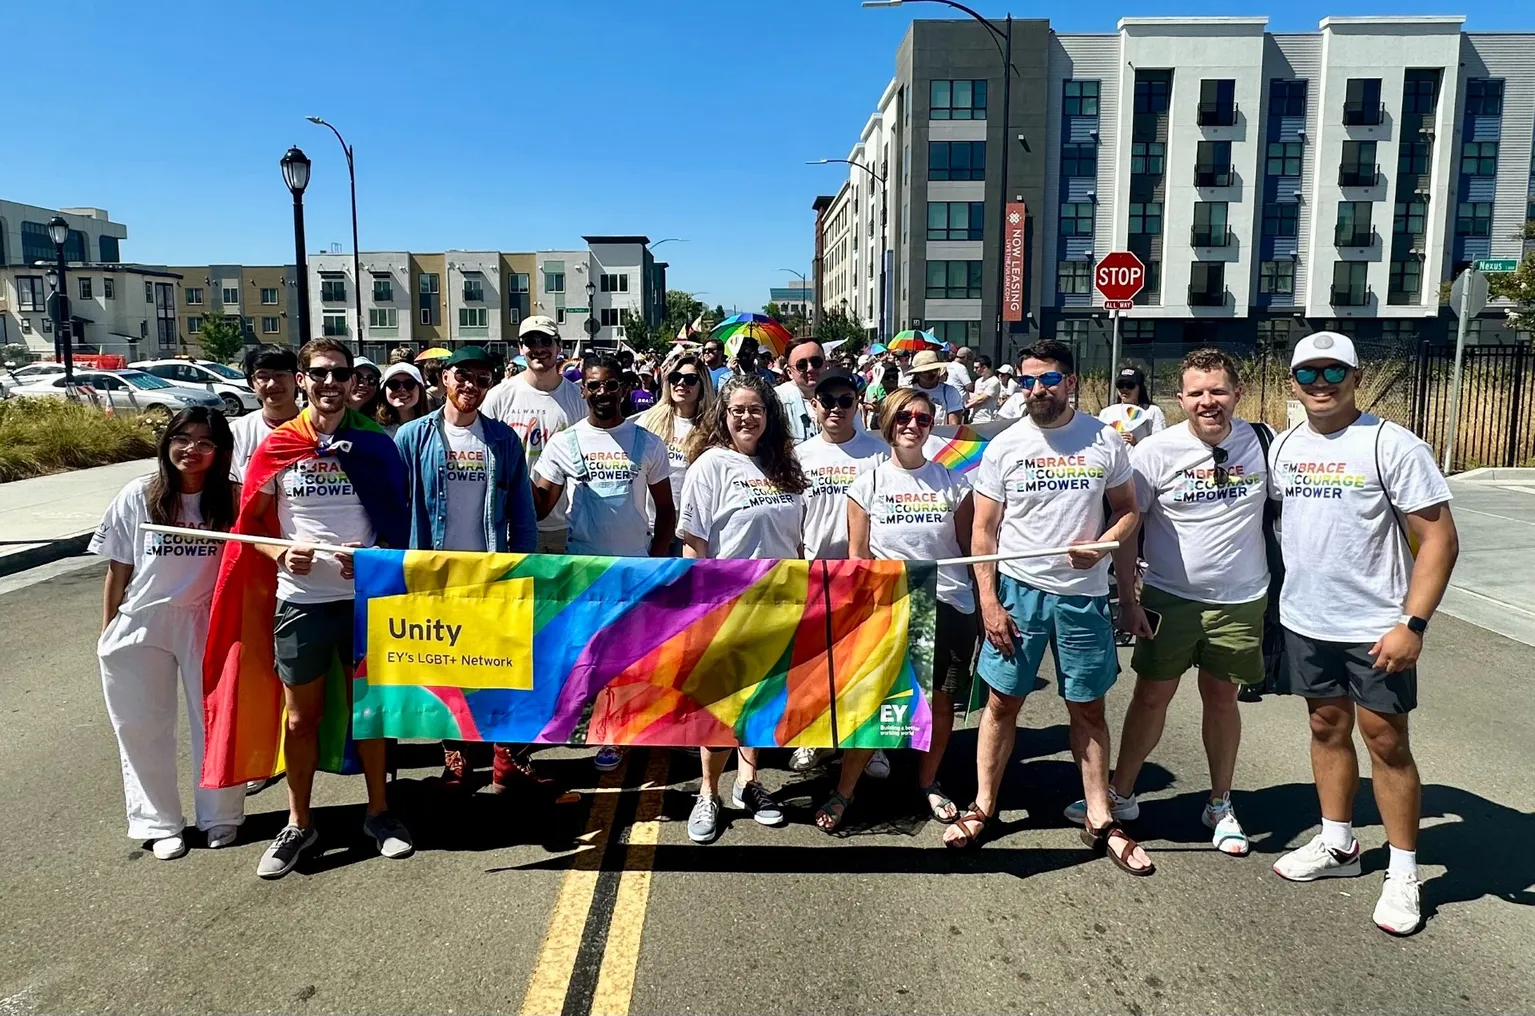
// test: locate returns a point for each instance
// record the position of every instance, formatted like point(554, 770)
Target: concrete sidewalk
point(1494, 581)
point(52, 517)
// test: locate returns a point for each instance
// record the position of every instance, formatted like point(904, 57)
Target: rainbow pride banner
point(643, 651)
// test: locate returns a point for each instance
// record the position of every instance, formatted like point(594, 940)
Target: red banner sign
point(1013, 250)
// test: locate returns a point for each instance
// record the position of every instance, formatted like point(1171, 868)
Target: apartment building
point(262, 299)
point(836, 240)
point(24, 240)
point(792, 299)
point(113, 308)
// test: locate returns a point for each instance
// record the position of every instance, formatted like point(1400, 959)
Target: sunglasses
point(1220, 455)
point(609, 387)
point(809, 363)
point(1125, 386)
point(479, 378)
point(830, 402)
point(905, 416)
point(181, 442)
point(401, 384)
point(367, 378)
point(676, 377)
point(713, 350)
point(538, 339)
point(325, 375)
point(1049, 379)
point(1333, 375)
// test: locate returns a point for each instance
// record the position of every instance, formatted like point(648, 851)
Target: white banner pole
point(1016, 555)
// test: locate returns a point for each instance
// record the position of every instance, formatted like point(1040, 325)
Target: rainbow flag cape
point(242, 698)
point(959, 449)
point(655, 651)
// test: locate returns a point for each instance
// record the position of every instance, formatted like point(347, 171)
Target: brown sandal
point(1098, 840)
point(973, 815)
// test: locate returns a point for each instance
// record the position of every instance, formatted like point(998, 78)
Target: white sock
point(1404, 863)
point(1337, 835)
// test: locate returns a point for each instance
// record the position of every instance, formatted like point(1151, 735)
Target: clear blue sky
point(507, 125)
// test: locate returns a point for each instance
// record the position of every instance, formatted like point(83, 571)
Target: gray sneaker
point(753, 797)
point(390, 834)
point(283, 854)
point(704, 821)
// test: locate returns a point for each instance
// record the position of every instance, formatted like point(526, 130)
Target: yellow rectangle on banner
point(463, 638)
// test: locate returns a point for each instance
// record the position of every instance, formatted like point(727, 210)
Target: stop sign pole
point(1118, 277)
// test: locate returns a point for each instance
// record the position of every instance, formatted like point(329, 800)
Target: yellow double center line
point(592, 946)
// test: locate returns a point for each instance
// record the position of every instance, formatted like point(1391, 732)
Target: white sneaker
point(168, 848)
point(1125, 809)
point(1314, 861)
point(878, 767)
point(805, 759)
point(1398, 911)
point(222, 836)
point(1229, 837)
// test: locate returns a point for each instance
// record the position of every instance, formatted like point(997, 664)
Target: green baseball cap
point(470, 354)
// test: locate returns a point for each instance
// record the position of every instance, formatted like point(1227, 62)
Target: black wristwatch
point(1416, 625)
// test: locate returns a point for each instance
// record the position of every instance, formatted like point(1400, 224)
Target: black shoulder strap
point(1385, 489)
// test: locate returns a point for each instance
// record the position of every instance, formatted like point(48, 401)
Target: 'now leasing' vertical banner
point(1013, 250)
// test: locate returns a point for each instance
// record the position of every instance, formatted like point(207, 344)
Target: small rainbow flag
point(962, 452)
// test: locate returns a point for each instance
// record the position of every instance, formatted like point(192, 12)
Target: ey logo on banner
point(479, 638)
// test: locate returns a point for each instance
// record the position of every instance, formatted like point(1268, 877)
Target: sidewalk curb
point(44, 553)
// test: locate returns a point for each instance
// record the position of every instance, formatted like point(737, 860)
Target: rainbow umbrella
point(913, 341)
point(877, 348)
point(770, 335)
point(435, 353)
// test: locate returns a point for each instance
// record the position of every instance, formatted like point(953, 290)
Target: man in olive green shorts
point(1201, 489)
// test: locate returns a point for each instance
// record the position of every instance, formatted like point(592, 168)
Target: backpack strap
point(1380, 477)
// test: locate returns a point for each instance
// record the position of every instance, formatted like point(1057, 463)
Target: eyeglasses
point(267, 377)
point(809, 363)
point(401, 384)
point(1049, 379)
point(830, 402)
point(536, 339)
point(742, 412)
point(1333, 374)
point(478, 378)
point(904, 418)
point(676, 377)
point(608, 387)
point(325, 375)
point(181, 442)
point(1220, 455)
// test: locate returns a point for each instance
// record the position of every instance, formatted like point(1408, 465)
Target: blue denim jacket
point(510, 523)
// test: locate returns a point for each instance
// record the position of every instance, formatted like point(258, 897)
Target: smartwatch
point(1416, 625)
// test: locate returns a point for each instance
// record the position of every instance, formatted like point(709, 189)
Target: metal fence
point(1496, 425)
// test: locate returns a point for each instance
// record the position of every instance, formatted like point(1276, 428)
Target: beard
point(1046, 410)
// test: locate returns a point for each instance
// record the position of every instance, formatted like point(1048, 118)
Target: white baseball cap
point(540, 324)
point(408, 369)
point(1324, 346)
point(1006, 368)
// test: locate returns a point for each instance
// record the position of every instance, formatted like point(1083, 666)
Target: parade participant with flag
point(1135, 417)
point(155, 622)
point(277, 672)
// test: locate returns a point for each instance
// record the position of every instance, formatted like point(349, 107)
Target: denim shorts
point(1077, 631)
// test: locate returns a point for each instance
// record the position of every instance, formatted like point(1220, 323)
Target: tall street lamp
point(592, 327)
point(883, 219)
point(295, 173)
point(58, 232)
point(1005, 41)
point(804, 289)
point(351, 173)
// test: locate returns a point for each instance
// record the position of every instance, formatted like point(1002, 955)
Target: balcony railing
point(1363, 114)
point(1202, 297)
point(1208, 236)
point(1359, 176)
point(1212, 176)
point(1217, 114)
point(1351, 296)
point(1353, 236)
point(474, 294)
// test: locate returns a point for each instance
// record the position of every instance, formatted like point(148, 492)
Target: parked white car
point(12, 379)
point(124, 390)
point(225, 382)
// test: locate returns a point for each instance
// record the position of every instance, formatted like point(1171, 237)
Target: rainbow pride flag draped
point(655, 651)
point(959, 449)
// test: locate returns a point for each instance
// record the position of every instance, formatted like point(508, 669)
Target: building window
point(1207, 284)
point(1287, 97)
point(1411, 217)
point(955, 220)
point(1146, 218)
point(1151, 95)
point(608, 317)
point(194, 325)
point(1074, 278)
point(1273, 332)
point(473, 317)
point(957, 100)
point(1210, 228)
point(269, 296)
point(1400, 331)
point(84, 284)
point(960, 333)
point(192, 296)
point(1473, 218)
point(1484, 97)
point(1348, 283)
point(1137, 330)
point(1353, 226)
point(333, 290)
point(1405, 282)
point(1358, 167)
point(1277, 277)
point(231, 295)
point(334, 325)
point(615, 283)
point(1079, 160)
point(554, 282)
point(109, 289)
point(1148, 157)
point(1284, 158)
point(517, 282)
point(110, 254)
point(383, 290)
point(956, 160)
point(1217, 102)
point(1361, 102)
point(1077, 218)
point(474, 291)
point(953, 280)
point(29, 293)
point(1420, 93)
point(427, 304)
point(1073, 330)
point(1212, 164)
point(269, 326)
point(1412, 157)
point(383, 317)
point(1479, 158)
point(559, 315)
point(1080, 98)
point(1281, 218)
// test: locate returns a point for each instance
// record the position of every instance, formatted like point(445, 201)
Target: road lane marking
point(615, 982)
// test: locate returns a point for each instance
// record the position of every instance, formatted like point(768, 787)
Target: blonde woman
point(687, 398)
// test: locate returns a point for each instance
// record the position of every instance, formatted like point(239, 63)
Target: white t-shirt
point(991, 387)
point(468, 479)
point(1051, 484)
point(911, 518)
point(249, 431)
point(536, 416)
point(946, 399)
point(1016, 407)
point(316, 503)
point(677, 466)
point(797, 411)
point(727, 501)
point(1347, 560)
point(170, 571)
point(959, 375)
point(831, 469)
point(607, 473)
point(1142, 422)
point(1204, 541)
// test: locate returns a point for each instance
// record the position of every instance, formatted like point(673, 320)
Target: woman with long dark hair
point(159, 588)
point(1134, 416)
point(743, 497)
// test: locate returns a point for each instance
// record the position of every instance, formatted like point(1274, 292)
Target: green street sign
point(1496, 265)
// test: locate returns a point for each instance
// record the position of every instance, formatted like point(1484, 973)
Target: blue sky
point(510, 126)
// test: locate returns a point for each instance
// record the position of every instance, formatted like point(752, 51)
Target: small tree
point(839, 324)
point(1518, 287)
point(16, 353)
point(221, 338)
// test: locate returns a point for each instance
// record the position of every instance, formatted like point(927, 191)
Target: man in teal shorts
point(1042, 483)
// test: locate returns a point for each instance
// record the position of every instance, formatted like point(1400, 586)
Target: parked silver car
point(124, 390)
point(225, 382)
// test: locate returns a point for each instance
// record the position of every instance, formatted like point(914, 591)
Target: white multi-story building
point(834, 268)
point(24, 240)
point(126, 310)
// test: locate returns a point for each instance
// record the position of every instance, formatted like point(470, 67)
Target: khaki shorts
point(1225, 639)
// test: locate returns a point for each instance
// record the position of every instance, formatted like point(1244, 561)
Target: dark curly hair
point(775, 449)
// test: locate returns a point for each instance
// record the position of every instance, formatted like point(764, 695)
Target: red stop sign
point(1119, 276)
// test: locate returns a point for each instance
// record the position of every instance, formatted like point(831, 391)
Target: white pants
point(140, 658)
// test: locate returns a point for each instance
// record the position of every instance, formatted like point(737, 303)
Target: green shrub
point(40, 436)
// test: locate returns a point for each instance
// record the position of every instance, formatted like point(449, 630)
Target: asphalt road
point(511, 905)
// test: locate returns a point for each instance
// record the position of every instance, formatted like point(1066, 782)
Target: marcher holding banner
point(155, 623)
point(743, 497)
point(687, 397)
point(467, 485)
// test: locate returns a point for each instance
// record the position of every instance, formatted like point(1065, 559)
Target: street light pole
point(883, 218)
point(58, 232)
point(351, 173)
point(295, 173)
point(804, 289)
